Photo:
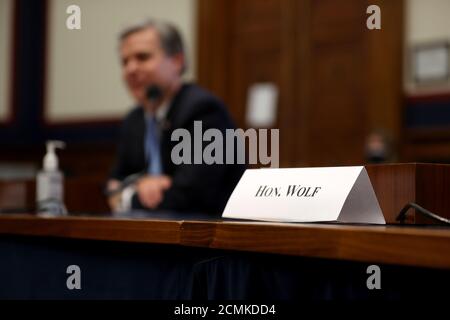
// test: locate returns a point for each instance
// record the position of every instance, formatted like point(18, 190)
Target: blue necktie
point(152, 147)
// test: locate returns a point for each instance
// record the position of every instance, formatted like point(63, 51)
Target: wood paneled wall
point(338, 80)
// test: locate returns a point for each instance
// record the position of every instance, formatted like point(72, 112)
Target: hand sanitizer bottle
point(50, 183)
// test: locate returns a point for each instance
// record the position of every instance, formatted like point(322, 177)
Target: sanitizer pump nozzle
point(50, 159)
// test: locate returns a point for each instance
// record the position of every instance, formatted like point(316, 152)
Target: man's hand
point(151, 189)
point(114, 200)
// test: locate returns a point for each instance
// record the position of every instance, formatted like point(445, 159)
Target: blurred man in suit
point(153, 62)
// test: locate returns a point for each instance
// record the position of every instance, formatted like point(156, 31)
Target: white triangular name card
point(341, 194)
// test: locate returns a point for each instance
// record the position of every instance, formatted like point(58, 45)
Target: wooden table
point(400, 245)
point(172, 256)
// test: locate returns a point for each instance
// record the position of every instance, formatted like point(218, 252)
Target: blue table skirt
point(35, 268)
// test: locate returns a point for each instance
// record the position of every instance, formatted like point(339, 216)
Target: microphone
point(129, 180)
point(154, 93)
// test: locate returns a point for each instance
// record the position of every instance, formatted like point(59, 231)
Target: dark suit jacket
point(195, 187)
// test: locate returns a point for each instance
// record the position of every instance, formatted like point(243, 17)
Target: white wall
point(427, 21)
point(6, 28)
point(84, 79)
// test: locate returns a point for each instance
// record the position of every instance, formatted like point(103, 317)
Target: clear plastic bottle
point(50, 183)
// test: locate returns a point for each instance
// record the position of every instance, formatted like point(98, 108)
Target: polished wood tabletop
point(421, 246)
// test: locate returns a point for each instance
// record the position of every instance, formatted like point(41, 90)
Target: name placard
point(342, 194)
